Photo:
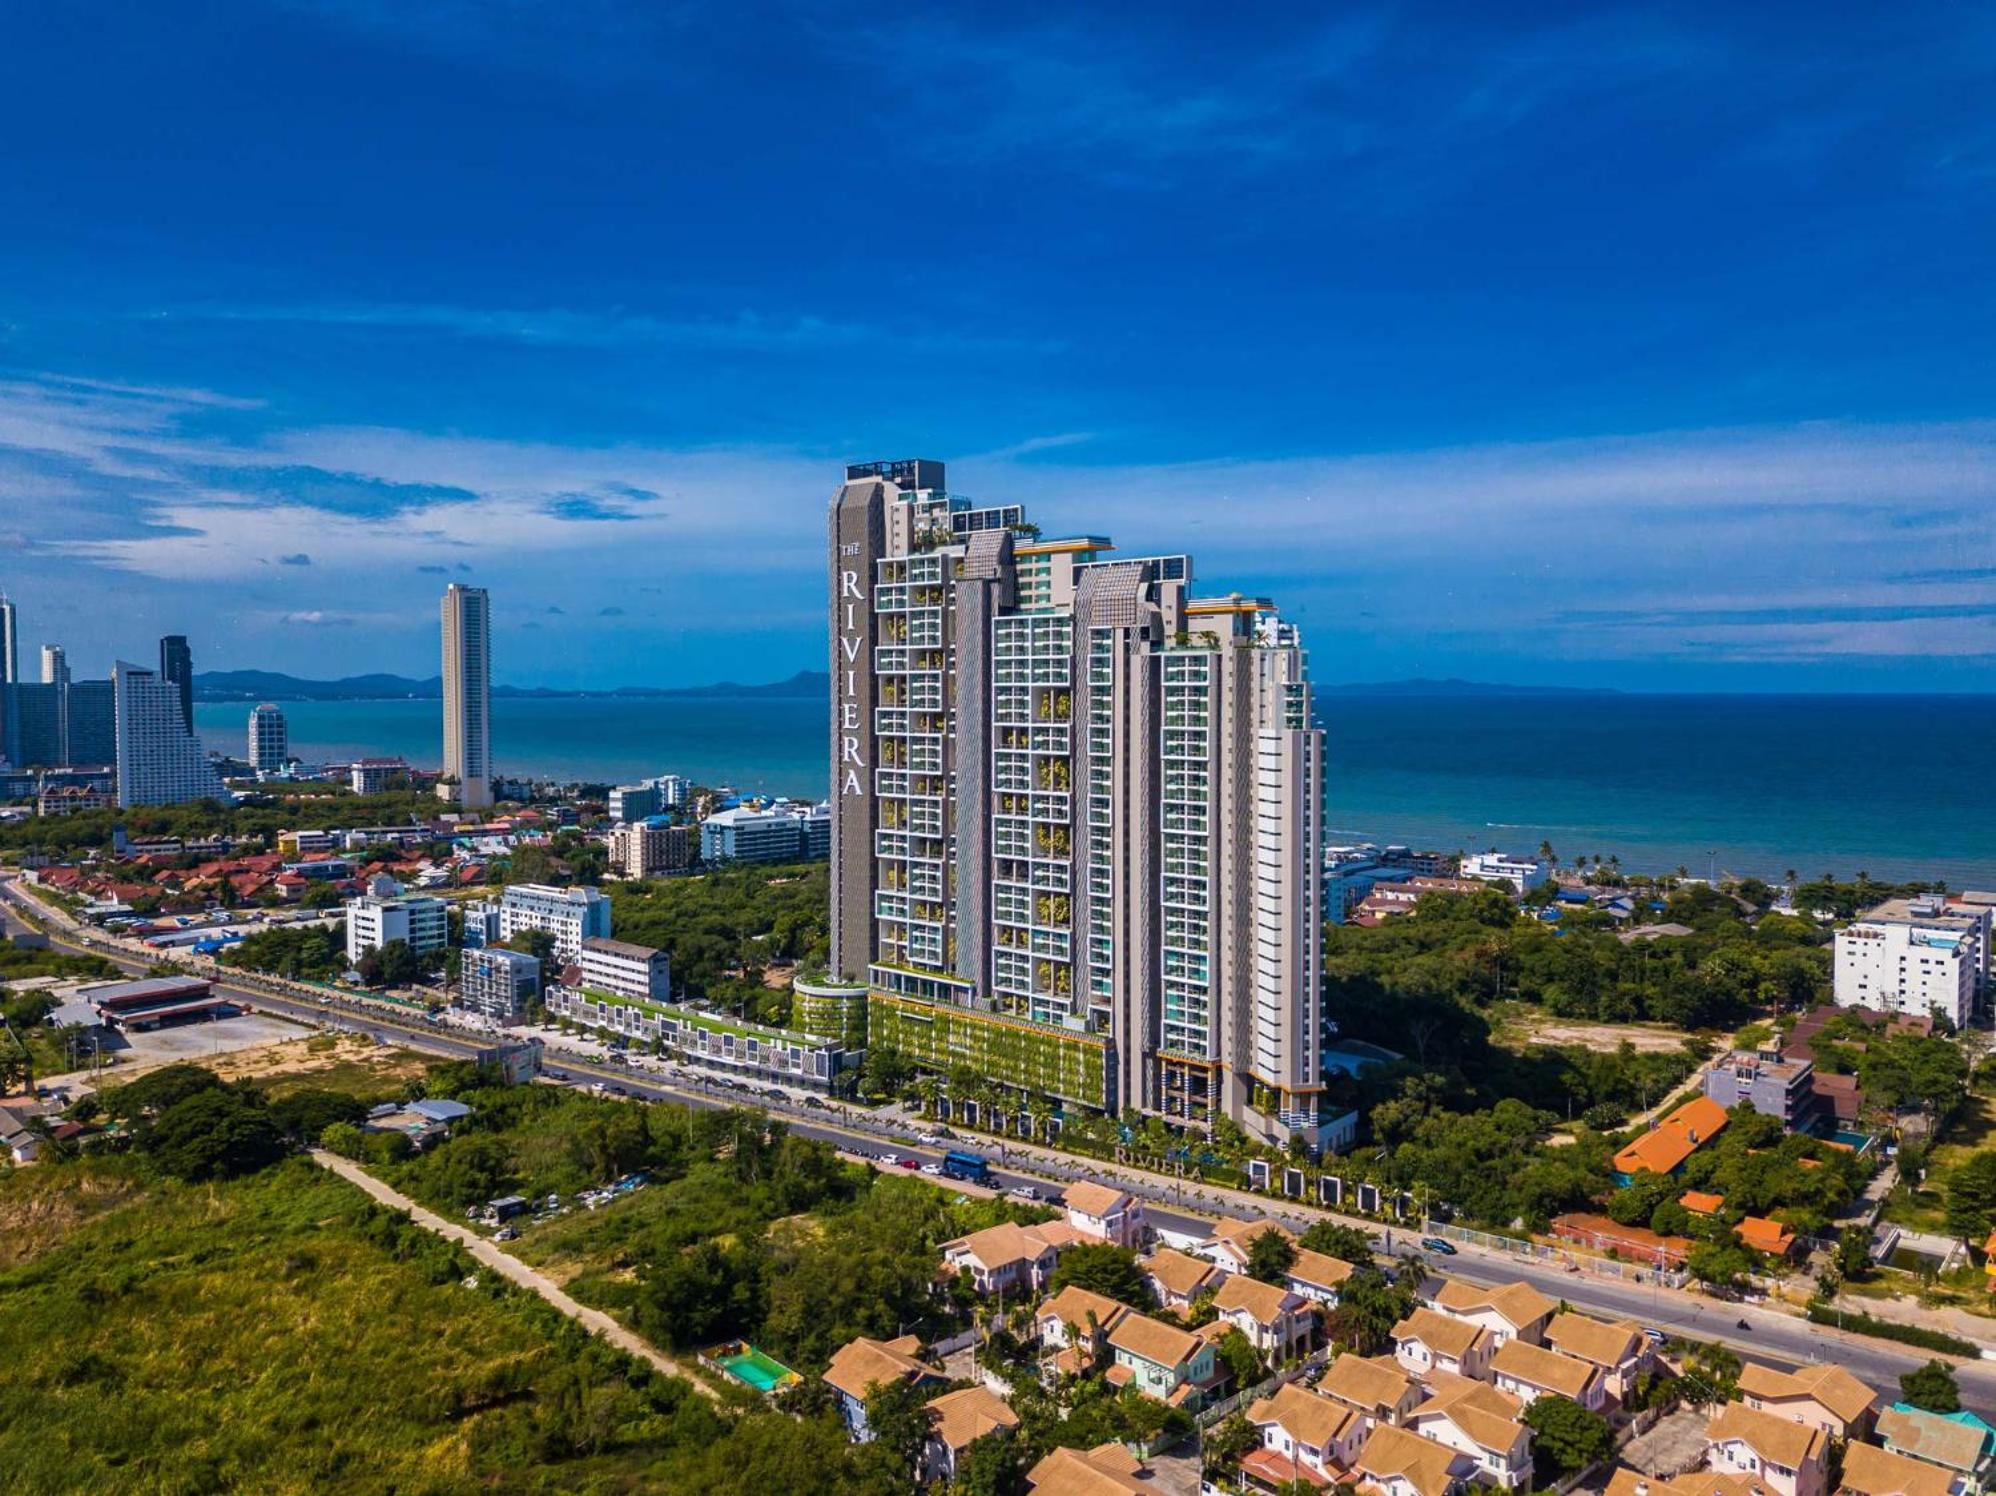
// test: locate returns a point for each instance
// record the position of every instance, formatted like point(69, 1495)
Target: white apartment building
point(571, 915)
point(370, 776)
point(639, 850)
point(497, 984)
point(1914, 956)
point(160, 762)
point(416, 919)
point(1076, 812)
point(1523, 873)
point(624, 969)
point(269, 739)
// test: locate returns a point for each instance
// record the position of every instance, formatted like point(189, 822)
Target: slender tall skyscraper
point(55, 666)
point(176, 668)
point(1077, 815)
point(467, 697)
point(10, 645)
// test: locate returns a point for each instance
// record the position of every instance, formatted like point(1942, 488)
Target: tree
point(1711, 1373)
point(1102, 1268)
point(1565, 1436)
point(994, 1465)
point(1854, 1254)
point(884, 1071)
point(1971, 1197)
point(306, 1114)
point(1236, 1352)
point(1721, 1264)
point(1270, 1256)
point(536, 943)
point(1226, 1444)
point(897, 1414)
point(342, 1138)
point(1335, 1239)
point(1932, 1387)
point(215, 1134)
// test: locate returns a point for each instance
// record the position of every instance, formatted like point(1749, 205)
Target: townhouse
point(1231, 1242)
point(1825, 1397)
point(1783, 1457)
point(863, 1366)
point(1396, 1462)
point(1105, 1470)
point(1510, 1311)
point(958, 1420)
point(1178, 1278)
point(1377, 1388)
point(1427, 1341)
point(1304, 1437)
point(1871, 1471)
point(1949, 1441)
point(1528, 1371)
point(1479, 1420)
point(1617, 1347)
point(1102, 1212)
point(1161, 1361)
point(1279, 1324)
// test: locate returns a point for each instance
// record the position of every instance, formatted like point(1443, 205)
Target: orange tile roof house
point(1426, 1341)
point(1785, 1458)
point(1161, 1361)
point(1232, 1240)
point(1618, 1347)
point(1376, 1387)
point(862, 1366)
point(1480, 1421)
point(1825, 1397)
point(1759, 1234)
point(1510, 1310)
point(1395, 1462)
point(1304, 1437)
point(1105, 1470)
point(1005, 1258)
point(959, 1419)
point(1277, 1323)
point(1104, 1213)
point(1076, 1323)
point(1527, 1371)
point(1871, 1471)
point(1178, 1278)
point(1317, 1276)
point(1663, 1149)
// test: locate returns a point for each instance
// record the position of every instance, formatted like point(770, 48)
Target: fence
point(1600, 1267)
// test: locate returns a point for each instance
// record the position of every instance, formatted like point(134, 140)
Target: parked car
point(911, 1163)
point(1436, 1244)
point(930, 1139)
point(506, 1233)
point(890, 1159)
point(1654, 1335)
point(1025, 1192)
point(935, 1169)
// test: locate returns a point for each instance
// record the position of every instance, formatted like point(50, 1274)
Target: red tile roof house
point(1177, 1278)
point(1317, 1277)
point(1529, 1372)
point(1304, 1437)
point(958, 1420)
point(1231, 1242)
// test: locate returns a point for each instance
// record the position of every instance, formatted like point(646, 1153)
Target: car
point(935, 1169)
point(1025, 1192)
point(891, 1160)
point(930, 1139)
point(911, 1163)
point(1654, 1335)
point(1436, 1244)
point(506, 1233)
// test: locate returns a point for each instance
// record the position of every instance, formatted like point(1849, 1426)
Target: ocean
point(1898, 786)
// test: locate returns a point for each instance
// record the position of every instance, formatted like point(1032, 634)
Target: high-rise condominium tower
point(55, 665)
point(10, 644)
point(1077, 814)
point(467, 696)
point(176, 668)
point(269, 739)
point(159, 761)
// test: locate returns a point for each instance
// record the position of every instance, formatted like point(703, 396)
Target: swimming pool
point(749, 1365)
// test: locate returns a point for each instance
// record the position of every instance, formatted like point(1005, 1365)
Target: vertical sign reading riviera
point(851, 627)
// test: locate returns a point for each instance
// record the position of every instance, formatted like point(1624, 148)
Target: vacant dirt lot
point(352, 1055)
point(1523, 1030)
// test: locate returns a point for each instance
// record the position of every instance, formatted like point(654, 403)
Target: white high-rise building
point(467, 621)
point(1077, 814)
point(1916, 957)
point(571, 915)
point(269, 739)
point(10, 644)
point(159, 761)
point(55, 665)
point(423, 923)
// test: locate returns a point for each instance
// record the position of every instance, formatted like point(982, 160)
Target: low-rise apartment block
point(571, 915)
point(641, 849)
point(706, 1040)
point(786, 831)
point(372, 922)
point(496, 983)
point(1783, 1089)
point(1523, 873)
point(1917, 956)
point(624, 969)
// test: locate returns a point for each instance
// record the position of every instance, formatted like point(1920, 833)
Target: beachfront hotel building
point(159, 761)
point(467, 620)
point(1076, 814)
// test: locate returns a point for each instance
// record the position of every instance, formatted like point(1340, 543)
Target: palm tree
point(1039, 1112)
point(930, 1088)
point(1546, 853)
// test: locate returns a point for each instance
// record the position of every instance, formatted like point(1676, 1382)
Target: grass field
point(281, 1334)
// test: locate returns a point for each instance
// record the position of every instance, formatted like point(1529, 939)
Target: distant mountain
point(272, 685)
point(1454, 687)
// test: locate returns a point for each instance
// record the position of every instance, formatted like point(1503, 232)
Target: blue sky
point(1646, 347)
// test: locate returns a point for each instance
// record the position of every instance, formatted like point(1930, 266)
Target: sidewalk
point(511, 1268)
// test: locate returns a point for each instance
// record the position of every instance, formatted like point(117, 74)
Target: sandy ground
point(1605, 1037)
point(305, 1056)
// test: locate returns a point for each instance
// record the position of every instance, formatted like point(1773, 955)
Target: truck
point(973, 1168)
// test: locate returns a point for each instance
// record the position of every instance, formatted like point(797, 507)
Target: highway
point(1771, 1338)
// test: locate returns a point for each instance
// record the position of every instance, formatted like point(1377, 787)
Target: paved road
point(1771, 1338)
point(510, 1267)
